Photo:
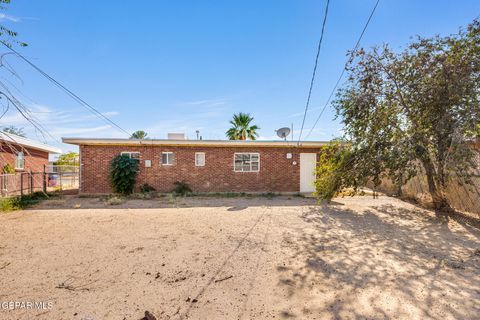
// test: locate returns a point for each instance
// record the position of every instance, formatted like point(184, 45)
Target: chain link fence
point(53, 178)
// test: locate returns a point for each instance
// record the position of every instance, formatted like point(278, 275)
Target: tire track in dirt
point(212, 279)
point(255, 273)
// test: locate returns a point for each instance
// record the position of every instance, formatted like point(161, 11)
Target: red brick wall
point(34, 159)
point(277, 173)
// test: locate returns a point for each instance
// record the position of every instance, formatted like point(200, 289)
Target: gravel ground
point(238, 258)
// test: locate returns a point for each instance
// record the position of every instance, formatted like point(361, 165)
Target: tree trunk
point(439, 200)
point(399, 183)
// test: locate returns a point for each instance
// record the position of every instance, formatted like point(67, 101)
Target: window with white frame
point(246, 162)
point(167, 158)
point(20, 160)
point(199, 159)
point(131, 155)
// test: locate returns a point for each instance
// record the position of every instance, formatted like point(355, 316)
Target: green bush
point(9, 204)
point(333, 171)
point(123, 174)
point(22, 202)
point(8, 169)
point(181, 188)
point(114, 201)
point(146, 188)
point(269, 195)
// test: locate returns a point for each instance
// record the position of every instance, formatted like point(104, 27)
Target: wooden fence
point(462, 197)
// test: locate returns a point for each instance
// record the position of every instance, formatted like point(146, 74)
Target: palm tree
point(139, 134)
point(241, 128)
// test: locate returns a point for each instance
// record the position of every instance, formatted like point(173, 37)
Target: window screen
point(131, 155)
point(167, 158)
point(199, 159)
point(247, 162)
point(20, 161)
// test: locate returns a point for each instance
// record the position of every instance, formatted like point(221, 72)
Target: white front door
point(308, 162)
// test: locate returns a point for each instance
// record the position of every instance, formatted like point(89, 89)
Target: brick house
point(23, 154)
point(205, 165)
point(27, 158)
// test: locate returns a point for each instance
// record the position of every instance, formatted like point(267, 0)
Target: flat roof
point(204, 143)
point(29, 143)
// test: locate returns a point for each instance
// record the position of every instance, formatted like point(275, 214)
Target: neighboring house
point(23, 154)
point(205, 165)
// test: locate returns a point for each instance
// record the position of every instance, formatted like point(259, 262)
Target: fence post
point(44, 179)
point(31, 181)
point(21, 183)
point(74, 183)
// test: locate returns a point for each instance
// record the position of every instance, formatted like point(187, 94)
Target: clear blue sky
point(179, 66)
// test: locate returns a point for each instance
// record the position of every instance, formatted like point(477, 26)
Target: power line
point(343, 70)
point(24, 112)
point(69, 92)
point(314, 70)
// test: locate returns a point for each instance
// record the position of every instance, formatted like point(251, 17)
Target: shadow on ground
point(381, 262)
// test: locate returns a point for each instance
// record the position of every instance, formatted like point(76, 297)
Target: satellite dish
point(283, 133)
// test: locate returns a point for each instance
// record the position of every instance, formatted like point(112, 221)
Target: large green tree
point(68, 162)
point(241, 128)
point(68, 159)
point(414, 111)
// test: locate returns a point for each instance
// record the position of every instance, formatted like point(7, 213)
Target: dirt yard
point(238, 258)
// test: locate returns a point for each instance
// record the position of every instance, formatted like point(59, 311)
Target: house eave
point(10, 138)
point(202, 143)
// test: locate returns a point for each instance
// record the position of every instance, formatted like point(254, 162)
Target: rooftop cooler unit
point(176, 136)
